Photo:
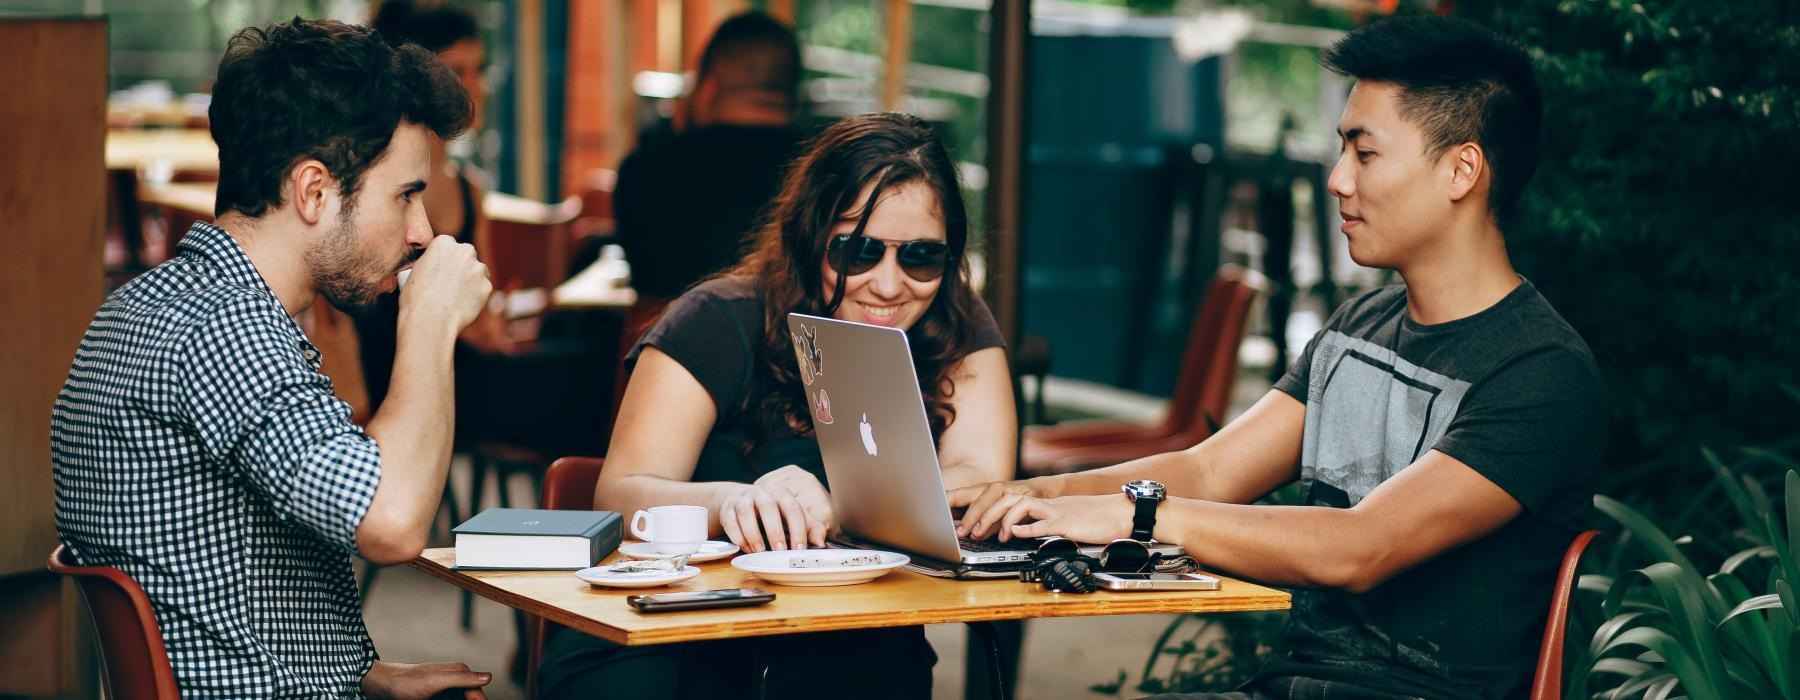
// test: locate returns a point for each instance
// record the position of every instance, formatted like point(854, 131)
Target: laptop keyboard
point(980, 546)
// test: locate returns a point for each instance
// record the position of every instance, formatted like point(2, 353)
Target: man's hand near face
point(447, 289)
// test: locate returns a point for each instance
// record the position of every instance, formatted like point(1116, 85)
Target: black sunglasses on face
point(924, 261)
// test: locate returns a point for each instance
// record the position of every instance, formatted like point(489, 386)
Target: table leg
point(759, 690)
point(995, 659)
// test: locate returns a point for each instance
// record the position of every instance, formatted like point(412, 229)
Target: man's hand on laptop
point(985, 504)
point(785, 509)
point(391, 681)
point(1080, 518)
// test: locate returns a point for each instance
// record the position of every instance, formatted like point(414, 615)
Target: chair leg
point(456, 515)
point(478, 469)
point(759, 690)
point(993, 638)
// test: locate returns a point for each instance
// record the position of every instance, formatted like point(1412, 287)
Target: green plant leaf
point(1737, 560)
point(1791, 562)
point(1786, 591)
point(1638, 684)
point(1761, 602)
point(1734, 491)
point(1685, 596)
point(1623, 667)
point(1660, 546)
point(1753, 633)
point(1694, 677)
point(1610, 630)
point(1660, 690)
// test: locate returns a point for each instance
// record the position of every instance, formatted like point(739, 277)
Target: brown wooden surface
point(898, 599)
point(190, 150)
point(53, 203)
point(194, 199)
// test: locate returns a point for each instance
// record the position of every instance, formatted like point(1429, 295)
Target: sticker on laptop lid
point(822, 408)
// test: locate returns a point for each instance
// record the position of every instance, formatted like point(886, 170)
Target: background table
point(181, 149)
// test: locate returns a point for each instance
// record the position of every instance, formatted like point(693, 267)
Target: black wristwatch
point(1147, 495)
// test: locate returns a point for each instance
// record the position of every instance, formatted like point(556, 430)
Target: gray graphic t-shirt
point(1513, 393)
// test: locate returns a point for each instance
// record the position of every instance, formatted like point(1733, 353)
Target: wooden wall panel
point(52, 214)
point(52, 203)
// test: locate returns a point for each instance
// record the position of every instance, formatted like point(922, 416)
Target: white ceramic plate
point(710, 550)
point(598, 576)
point(778, 567)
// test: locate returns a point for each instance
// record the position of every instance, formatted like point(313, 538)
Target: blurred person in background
point(453, 197)
point(684, 205)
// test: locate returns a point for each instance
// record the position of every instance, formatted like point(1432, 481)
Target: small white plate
point(777, 567)
point(710, 550)
point(598, 576)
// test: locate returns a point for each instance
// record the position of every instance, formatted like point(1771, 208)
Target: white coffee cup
point(671, 529)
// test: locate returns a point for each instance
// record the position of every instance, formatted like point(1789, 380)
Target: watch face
point(1145, 488)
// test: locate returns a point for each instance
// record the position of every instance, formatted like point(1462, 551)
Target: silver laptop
point(886, 487)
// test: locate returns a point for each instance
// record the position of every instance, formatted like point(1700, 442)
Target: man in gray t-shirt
point(1442, 432)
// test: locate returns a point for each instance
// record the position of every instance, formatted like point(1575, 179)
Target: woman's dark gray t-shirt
point(714, 331)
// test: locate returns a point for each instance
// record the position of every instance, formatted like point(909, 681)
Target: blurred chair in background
point(1202, 392)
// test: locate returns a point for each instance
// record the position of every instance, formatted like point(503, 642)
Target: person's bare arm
point(981, 444)
point(1432, 506)
point(1244, 461)
point(663, 422)
point(447, 287)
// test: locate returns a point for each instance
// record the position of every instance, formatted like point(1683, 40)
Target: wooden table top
point(182, 149)
point(901, 598)
point(192, 197)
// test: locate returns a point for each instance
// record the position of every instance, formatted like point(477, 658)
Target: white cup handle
point(640, 525)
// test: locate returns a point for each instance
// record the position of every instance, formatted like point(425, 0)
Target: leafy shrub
point(1668, 627)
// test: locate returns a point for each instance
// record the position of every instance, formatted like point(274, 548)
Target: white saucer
point(710, 550)
point(776, 567)
point(596, 576)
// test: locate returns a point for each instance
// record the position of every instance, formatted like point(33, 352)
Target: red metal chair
point(1202, 391)
point(596, 191)
point(131, 646)
point(1547, 683)
point(568, 485)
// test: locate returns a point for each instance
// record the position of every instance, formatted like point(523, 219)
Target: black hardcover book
point(528, 538)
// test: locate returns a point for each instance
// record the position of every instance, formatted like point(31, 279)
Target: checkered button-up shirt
point(197, 447)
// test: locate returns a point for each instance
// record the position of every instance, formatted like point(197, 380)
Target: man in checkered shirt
point(196, 445)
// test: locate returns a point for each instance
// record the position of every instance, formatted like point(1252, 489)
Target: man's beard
point(343, 273)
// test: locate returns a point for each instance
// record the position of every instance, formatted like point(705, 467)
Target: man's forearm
point(414, 428)
point(1180, 471)
point(1302, 546)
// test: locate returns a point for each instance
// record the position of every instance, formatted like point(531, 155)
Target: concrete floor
point(414, 618)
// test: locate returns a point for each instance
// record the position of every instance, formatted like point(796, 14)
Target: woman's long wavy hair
point(785, 260)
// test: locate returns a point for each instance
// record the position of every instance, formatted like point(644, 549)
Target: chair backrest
point(527, 241)
point(1210, 360)
point(568, 485)
point(1547, 684)
point(131, 646)
point(596, 203)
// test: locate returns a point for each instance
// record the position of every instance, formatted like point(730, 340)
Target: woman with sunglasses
point(869, 227)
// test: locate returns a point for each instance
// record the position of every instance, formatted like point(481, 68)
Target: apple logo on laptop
point(868, 435)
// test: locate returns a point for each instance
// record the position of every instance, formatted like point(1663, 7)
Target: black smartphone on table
point(699, 600)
